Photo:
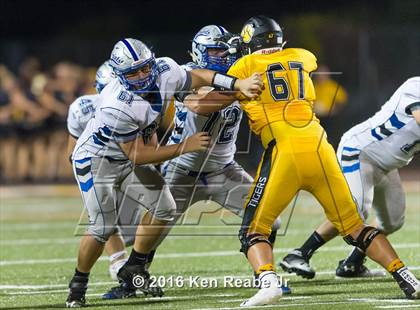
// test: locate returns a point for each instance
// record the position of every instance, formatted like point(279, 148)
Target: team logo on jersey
point(247, 33)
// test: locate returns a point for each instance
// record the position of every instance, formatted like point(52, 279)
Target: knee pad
point(103, 226)
point(165, 209)
point(248, 241)
point(390, 227)
point(163, 215)
point(102, 233)
point(364, 239)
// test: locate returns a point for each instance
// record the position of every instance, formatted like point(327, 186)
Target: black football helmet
point(260, 32)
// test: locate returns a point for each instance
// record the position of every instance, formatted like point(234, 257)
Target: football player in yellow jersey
point(297, 157)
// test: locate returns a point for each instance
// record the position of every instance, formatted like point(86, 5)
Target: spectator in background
point(62, 87)
point(88, 81)
point(33, 138)
point(21, 116)
point(6, 127)
point(330, 96)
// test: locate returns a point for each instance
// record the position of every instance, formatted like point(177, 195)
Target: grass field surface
point(38, 249)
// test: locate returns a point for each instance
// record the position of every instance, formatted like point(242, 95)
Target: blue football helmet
point(104, 75)
point(130, 56)
point(212, 37)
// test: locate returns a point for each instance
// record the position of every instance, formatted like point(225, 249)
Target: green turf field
point(38, 250)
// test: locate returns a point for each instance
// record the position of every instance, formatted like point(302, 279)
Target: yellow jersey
point(289, 92)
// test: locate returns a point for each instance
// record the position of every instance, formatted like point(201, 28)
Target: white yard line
point(283, 298)
point(280, 305)
point(39, 241)
point(391, 301)
point(74, 225)
point(76, 240)
point(187, 255)
point(37, 226)
point(49, 286)
point(398, 306)
point(241, 276)
point(100, 294)
point(361, 300)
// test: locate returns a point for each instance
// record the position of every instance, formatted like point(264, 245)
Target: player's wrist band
point(223, 81)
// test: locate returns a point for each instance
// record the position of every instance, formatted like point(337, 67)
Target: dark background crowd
point(49, 52)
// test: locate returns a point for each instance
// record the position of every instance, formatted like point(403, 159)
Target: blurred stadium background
point(49, 51)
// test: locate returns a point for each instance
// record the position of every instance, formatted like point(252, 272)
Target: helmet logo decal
point(247, 33)
point(116, 59)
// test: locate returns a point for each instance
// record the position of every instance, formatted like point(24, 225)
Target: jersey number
point(232, 117)
point(162, 66)
point(226, 134)
point(279, 87)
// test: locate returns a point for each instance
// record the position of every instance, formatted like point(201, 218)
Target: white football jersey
point(123, 116)
point(223, 127)
point(80, 112)
point(392, 136)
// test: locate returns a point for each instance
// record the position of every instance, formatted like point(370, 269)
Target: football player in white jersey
point(80, 112)
point(112, 152)
point(370, 155)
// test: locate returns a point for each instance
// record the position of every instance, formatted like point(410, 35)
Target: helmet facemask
point(210, 50)
point(140, 78)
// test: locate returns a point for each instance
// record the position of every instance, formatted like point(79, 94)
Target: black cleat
point(295, 262)
point(351, 270)
point(133, 278)
point(76, 297)
point(119, 292)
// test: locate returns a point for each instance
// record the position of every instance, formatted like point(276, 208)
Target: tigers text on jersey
point(80, 112)
point(392, 136)
point(122, 116)
point(223, 126)
point(289, 90)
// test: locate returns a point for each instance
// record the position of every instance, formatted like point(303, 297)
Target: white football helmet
point(104, 75)
point(130, 56)
point(214, 37)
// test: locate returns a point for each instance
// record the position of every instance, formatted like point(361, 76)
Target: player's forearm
point(205, 77)
point(152, 154)
point(201, 77)
point(210, 102)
